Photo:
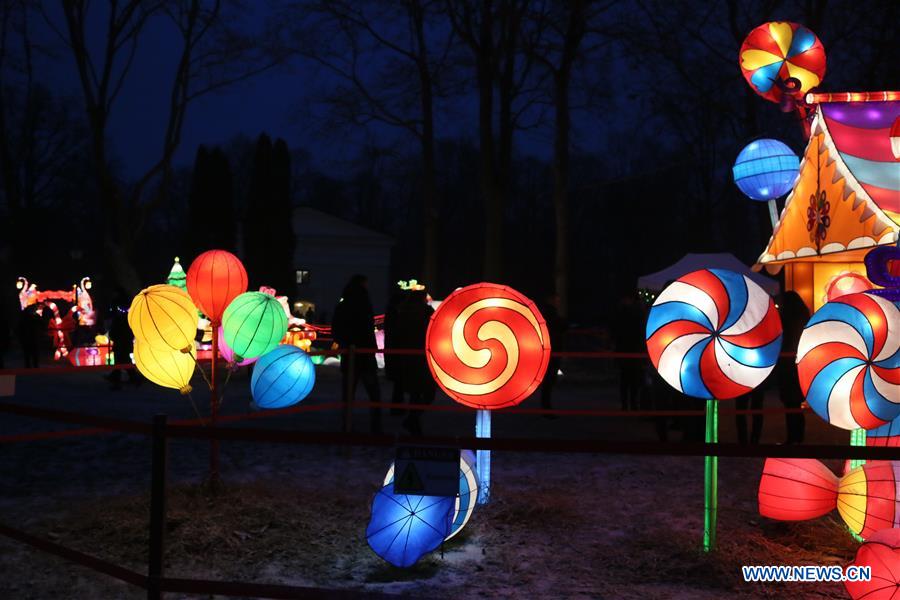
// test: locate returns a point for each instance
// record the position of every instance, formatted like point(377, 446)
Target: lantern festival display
point(765, 169)
point(467, 495)
point(254, 324)
point(164, 317)
point(403, 528)
point(797, 489)
point(282, 377)
point(781, 59)
point(214, 279)
point(848, 359)
point(713, 334)
point(227, 353)
point(487, 346)
point(881, 553)
point(168, 368)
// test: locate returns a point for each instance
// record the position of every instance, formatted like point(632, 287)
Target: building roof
point(312, 224)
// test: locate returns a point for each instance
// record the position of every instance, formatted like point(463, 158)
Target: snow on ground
point(559, 525)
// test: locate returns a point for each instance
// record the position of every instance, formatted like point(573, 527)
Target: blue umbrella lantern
point(403, 528)
point(282, 377)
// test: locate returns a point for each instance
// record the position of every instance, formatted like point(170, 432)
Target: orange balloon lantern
point(487, 346)
point(214, 279)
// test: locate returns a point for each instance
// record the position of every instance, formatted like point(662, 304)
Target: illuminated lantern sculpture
point(895, 138)
point(487, 346)
point(886, 435)
point(800, 489)
point(766, 169)
point(404, 528)
point(254, 324)
point(845, 283)
point(781, 59)
point(713, 334)
point(881, 553)
point(282, 377)
point(168, 368)
point(214, 279)
point(164, 317)
point(228, 354)
point(848, 359)
point(177, 276)
point(468, 491)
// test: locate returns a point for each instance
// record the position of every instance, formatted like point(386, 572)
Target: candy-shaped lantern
point(848, 360)
point(254, 324)
point(468, 491)
point(404, 528)
point(714, 334)
point(881, 553)
point(168, 368)
point(214, 279)
point(799, 489)
point(781, 59)
point(487, 346)
point(282, 377)
point(766, 169)
point(163, 316)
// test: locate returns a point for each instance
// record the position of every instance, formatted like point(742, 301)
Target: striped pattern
point(164, 317)
point(282, 377)
point(848, 360)
point(713, 334)
point(254, 323)
point(214, 279)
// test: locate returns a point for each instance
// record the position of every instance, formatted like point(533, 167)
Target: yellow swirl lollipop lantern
point(163, 316)
point(168, 368)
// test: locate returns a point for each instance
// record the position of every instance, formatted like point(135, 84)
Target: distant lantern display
point(164, 317)
point(254, 324)
point(487, 346)
point(168, 368)
point(799, 489)
point(781, 59)
point(177, 276)
point(214, 279)
point(282, 377)
point(713, 334)
point(766, 169)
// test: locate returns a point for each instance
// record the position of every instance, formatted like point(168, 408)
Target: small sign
point(426, 471)
point(7, 385)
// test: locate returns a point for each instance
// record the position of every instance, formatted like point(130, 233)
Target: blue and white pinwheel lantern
point(282, 377)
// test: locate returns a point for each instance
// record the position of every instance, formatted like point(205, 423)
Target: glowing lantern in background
point(846, 283)
point(714, 334)
point(214, 279)
point(168, 368)
point(254, 324)
point(404, 528)
point(782, 60)
point(848, 359)
point(800, 489)
point(228, 354)
point(177, 276)
point(282, 377)
point(895, 138)
point(164, 317)
point(766, 169)
point(487, 346)
point(881, 552)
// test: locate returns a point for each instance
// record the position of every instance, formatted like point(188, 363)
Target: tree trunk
point(490, 194)
point(561, 190)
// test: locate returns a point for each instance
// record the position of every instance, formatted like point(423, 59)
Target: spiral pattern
point(487, 346)
point(714, 334)
point(848, 360)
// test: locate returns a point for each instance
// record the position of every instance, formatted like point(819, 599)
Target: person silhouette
point(409, 327)
point(794, 316)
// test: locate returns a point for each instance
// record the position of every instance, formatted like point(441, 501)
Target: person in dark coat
point(392, 362)
point(408, 330)
point(556, 327)
point(122, 339)
point(29, 329)
point(628, 336)
point(4, 336)
point(754, 401)
point(353, 326)
point(794, 316)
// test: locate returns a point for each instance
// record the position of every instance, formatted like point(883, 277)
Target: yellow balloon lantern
point(168, 368)
point(163, 316)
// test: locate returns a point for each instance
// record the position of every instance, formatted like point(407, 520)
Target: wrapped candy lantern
point(164, 317)
point(254, 324)
point(168, 368)
point(214, 279)
point(282, 377)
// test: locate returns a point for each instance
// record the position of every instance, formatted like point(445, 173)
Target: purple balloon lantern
point(228, 354)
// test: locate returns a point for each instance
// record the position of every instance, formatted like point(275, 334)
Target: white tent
point(695, 262)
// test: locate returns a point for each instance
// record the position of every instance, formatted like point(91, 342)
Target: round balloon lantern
point(487, 346)
point(846, 283)
point(228, 354)
point(848, 359)
point(163, 316)
point(254, 324)
point(782, 59)
point(765, 169)
point(714, 334)
point(214, 279)
point(168, 368)
point(881, 553)
point(282, 377)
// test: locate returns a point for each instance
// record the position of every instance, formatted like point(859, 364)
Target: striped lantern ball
point(282, 377)
point(765, 169)
point(214, 279)
point(254, 324)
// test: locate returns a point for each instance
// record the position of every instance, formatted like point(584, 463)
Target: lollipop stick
point(857, 438)
point(710, 484)
point(483, 457)
point(773, 212)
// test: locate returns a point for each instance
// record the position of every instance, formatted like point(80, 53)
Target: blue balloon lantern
point(282, 377)
point(765, 169)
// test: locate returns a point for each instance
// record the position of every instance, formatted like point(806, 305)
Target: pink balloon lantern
point(228, 354)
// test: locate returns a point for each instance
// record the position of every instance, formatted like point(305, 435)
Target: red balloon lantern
point(487, 346)
point(881, 553)
point(214, 279)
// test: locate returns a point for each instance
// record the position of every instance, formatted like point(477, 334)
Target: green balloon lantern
point(254, 323)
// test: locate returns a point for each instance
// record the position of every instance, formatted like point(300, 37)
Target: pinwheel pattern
point(778, 51)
